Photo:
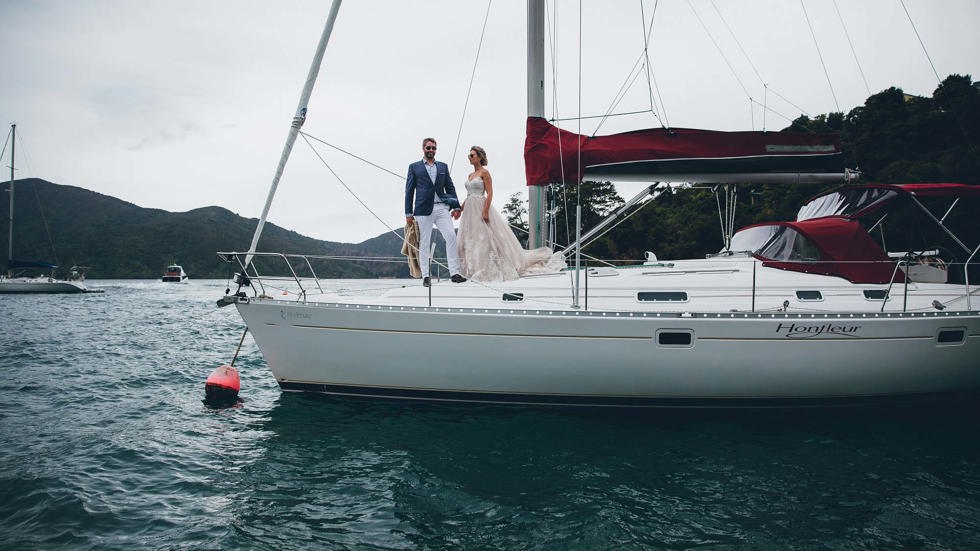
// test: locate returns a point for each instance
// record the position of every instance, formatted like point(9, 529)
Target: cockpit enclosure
point(860, 232)
point(828, 246)
point(855, 202)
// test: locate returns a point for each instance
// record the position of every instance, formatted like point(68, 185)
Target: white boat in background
point(801, 313)
point(174, 274)
point(19, 277)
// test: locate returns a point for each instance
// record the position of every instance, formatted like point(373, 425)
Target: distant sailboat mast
point(10, 231)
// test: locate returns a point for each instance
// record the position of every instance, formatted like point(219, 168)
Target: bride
point(488, 250)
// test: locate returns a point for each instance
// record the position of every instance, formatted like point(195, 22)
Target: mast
point(10, 232)
point(537, 196)
point(297, 123)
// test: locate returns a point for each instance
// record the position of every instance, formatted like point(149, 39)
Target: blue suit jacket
point(421, 191)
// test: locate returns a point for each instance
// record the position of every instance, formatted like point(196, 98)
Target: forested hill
point(117, 239)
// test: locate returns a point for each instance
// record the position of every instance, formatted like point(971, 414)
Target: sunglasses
point(430, 148)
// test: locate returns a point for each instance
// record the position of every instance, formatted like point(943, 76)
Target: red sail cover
point(673, 151)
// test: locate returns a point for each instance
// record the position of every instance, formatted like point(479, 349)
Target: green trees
point(894, 137)
point(598, 199)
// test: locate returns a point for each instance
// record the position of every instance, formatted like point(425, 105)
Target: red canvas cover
point(846, 250)
point(673, 150)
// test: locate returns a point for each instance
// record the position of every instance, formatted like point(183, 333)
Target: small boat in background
point(174, 274)
point(28, 276)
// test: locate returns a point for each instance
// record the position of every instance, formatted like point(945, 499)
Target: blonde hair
point(481, 154)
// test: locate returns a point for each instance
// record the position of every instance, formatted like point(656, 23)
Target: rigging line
point(44, 221)
point(718, 47)
point(749, 60)
point(363, 204)
point(935, 72)
point(615, 103)
point(653, 77)
point(651, 82)
point(5, 142)
point(599, 116)
point(765, 104)
point(466, 103)
point(766, 108)
point(578, 170)
point(956, 115)
point(354, 195)
point(853, 51)
point(552, 32)
point(362, 159)
point(603, 233)
point(721, 218)
point(578, 163)
point(37, 198)
point(625, 86)
point(738, 43)
point(820, 55)
point(642, 63)
point(343, 183)
point(383, 223)
point(780, 96)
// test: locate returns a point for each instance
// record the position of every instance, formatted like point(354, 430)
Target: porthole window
point(950, 336)
point(675, 338)
point(661, 296)
point(809, 295)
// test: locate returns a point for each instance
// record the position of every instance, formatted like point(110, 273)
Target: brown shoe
point(457, 278)
point(426, 281)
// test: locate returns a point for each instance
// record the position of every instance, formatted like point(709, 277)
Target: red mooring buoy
point(222, 386)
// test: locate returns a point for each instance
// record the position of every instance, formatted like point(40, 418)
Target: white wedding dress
point(491, 251)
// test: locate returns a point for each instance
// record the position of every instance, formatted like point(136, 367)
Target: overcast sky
point(182, 104)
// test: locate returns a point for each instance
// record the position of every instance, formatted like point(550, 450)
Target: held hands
point(409, 219)
point(455, 214)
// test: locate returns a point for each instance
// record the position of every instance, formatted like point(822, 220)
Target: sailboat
point(14, 281)
point(808, 312)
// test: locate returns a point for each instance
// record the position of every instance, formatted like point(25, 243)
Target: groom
point(431, 198)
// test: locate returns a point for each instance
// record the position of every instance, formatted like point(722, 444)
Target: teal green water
point(105, 444)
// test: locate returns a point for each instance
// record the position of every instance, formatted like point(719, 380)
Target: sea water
point(105, 444)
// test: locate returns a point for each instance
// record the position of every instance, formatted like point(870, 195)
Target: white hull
point(40, 285)
point(623, 358)
point(174, 274)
